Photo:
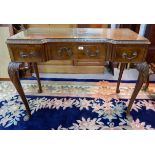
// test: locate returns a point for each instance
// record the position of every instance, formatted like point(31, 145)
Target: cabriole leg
point(143, 69)
point(13, 71)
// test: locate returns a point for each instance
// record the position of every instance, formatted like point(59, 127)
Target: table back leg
point(35, 67)
point(122, 67)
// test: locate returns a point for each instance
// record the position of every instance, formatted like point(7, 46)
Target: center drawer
point(60, 51)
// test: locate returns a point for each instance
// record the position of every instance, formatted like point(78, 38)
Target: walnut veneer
point(83, 46)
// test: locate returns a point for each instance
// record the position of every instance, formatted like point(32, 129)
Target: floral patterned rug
point(76, 105)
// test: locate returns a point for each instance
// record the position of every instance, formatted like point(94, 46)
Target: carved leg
point(143, 69)
point(147, 83)
point(13, 71)
point(35, 67)
point(120, 76)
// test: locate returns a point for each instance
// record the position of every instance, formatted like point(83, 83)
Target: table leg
point(111, 66)
point(147, 83)
point(120, 76)
point(14, 74)
point(35, 67)
point(143, 69)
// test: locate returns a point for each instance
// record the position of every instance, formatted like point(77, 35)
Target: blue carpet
point(75, 113)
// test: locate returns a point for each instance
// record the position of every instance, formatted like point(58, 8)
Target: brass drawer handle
point(24, 55)
point(27, 55)
point(126, 56)
point(65, 50)
point(32, 54)
point(92, 54)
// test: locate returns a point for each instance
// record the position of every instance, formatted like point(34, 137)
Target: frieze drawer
point(26, 53)
point(129, 53)
point(60, 51)
point(89, 54)
point(91, 51)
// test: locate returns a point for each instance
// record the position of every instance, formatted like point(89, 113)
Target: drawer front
point(27, 53)
point(90, 54)
point(129, 53)
point(60, 51)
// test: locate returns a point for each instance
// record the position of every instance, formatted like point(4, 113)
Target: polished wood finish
point(50, 25)
point(45, 35)
point(93, 25)
point(14, 74)
point(129, 53)
point(70, 69)
point(79, 47)
point(122, 67)
point(35, 67)
point(27, 53)
point(143, 69)
point(4, 79)
point(59, 51)
point(89, 54)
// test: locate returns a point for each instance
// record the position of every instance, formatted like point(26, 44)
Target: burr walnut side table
point(83, 46)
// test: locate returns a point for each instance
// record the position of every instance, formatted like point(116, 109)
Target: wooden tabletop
point(105, 34)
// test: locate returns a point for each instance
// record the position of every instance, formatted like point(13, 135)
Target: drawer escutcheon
point(129, 57)
point(63, 50)
point(27, 55)
point(91, 53)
